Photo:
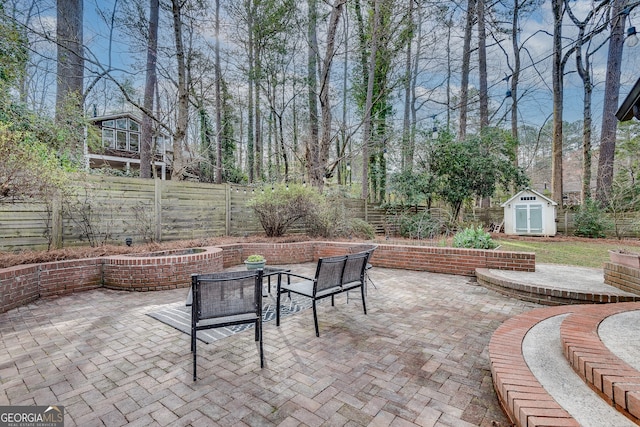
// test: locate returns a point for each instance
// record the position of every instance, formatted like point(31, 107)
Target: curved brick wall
point(159, 270)
point(23, 284)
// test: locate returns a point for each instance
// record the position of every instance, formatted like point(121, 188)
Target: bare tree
point(69, 38)
point(557, 7)
point(482, 65)
point(146, 155)
point(179, 166)
point(218, 95)
point(583, 67)
point(611, 93)
point(466, 63)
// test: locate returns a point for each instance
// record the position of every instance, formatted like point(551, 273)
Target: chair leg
point(259, 327)
point(364, 304)
point(371, 281)
point(315, 318)
point(194, 358)
point(278, 306)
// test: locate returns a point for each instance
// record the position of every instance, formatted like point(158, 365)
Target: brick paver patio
point(418, 358)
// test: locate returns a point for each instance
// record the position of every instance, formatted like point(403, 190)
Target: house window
point(121, 134)
point(107, 138)
point(121, 138)
point(134, 142)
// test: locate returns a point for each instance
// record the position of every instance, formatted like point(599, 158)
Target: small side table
point(272, 271)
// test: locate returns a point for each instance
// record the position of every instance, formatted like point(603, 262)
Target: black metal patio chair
point(333, 276)
point(365, 248)
point(225, 299)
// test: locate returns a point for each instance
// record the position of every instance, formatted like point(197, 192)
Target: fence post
point(227, 208)
point(56, 221)
point(366, 211)
point(157, 208)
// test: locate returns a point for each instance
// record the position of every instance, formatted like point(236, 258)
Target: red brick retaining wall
point(622, 277)
point(159, 271)
point(21, 285)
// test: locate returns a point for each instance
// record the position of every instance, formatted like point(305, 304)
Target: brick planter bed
point(23, 284)
point(157, 271)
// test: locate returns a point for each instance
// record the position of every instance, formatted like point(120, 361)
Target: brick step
point(554, 285)
point(523, 397)
point(612, 378)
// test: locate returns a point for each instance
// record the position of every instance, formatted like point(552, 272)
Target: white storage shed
point(530, 213)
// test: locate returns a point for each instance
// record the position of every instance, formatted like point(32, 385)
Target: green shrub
point(473, 238)
point(589, 220)
point(279, 209)
point(330, 220)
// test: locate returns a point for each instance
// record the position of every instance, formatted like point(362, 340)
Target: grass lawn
point(580, 252)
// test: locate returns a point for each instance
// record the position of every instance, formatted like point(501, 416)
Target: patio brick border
point(522, 397)
point(608, 375)
point(22, 284)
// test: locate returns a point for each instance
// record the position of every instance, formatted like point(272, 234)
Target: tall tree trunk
point(258, 164)
point(218, 76)
point(464, 78)
point(250, 107)
point(180, 132)
point(325, 85)
point(482, 64)
point(611, 93)
point(313, 149)
point(558, 96)
point(70, 69)
point(515, 75)
point(368, 125)
point(407, 155)
point(146, 151)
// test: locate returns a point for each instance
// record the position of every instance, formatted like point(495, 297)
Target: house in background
point(530, 213)
point(120, 136)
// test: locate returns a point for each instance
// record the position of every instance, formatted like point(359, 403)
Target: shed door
point(528, 219)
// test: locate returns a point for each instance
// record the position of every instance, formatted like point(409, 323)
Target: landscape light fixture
point(434, 132)
point(128, 241)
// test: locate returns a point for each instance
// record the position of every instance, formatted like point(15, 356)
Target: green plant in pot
point(254, 262)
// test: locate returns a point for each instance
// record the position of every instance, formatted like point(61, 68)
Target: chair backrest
point(329, 273)
point(354, 268)
point(226, 294)
point(363, 248)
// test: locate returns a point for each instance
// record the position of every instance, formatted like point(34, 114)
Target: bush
point(419, 226)
point(473, 238)
point(589, 220)
point(330, 220)
point(361, 229)
point(279, 209)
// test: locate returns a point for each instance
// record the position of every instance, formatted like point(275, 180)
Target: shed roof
point(630, 107)
point(529, 190)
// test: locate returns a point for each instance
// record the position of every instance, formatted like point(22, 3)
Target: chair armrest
point(298, 276)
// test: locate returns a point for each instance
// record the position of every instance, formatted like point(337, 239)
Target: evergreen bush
point(474, 238)
point(590, 221)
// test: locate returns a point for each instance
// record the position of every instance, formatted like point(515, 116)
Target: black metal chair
point(225, 299)
point(333, 276)
point(369, 248)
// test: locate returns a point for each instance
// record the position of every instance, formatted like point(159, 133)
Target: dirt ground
point(8, 259)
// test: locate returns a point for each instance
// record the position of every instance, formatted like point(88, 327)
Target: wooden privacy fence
point(101, 209)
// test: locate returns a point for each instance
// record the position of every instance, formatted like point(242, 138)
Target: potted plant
point(624, 257)
point(253, 262)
